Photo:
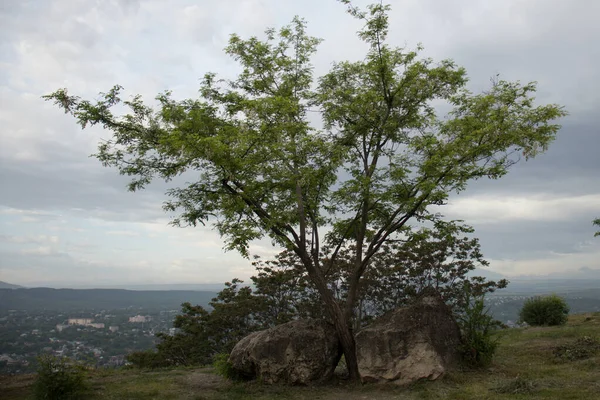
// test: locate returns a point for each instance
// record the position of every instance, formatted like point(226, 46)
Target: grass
point(525, 367)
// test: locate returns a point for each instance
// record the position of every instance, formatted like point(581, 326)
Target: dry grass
point(525, 368)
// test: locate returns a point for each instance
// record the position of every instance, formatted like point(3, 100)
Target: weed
point(477, 328)
point(581, 349)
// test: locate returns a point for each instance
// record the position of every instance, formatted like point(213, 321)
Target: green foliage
point(477, 328)
point(383, 158)
point(438, 257)
point(597, 223)
point(236, 312)
point(581, 349)
point(545, 310)
point(59, 379)
point(224, 368)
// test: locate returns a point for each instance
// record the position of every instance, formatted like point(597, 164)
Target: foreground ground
point(525, 368)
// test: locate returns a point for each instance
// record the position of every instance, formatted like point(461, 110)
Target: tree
point(597, 223)
point(382, 158)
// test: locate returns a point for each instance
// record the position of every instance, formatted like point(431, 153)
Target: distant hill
point(203, 287)
point(6, 285)
point(98, 299)
point(530, 286)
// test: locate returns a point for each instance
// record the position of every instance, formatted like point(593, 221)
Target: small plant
point(224, 368)
point(59, 378)
point(477, 327)
point(545, 311)
point(581, 349)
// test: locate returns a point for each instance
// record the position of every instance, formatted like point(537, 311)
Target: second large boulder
point(417, 342)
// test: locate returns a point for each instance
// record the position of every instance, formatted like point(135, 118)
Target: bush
point(224, 368)
point(545, 311)
point(477, 327)
point(59, 378)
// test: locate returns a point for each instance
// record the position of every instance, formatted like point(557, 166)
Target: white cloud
point(549, 263)
point(41, 251)
point(486, 209)
point(39, 239)
point(122, 233)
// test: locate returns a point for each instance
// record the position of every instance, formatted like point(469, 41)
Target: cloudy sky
point(67, 221)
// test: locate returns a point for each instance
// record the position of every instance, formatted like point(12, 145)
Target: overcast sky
point(67, 221)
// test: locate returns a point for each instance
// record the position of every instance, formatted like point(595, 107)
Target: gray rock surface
point(297, 353)
point(417, 342)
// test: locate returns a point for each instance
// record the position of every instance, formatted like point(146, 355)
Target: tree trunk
point(341, 319)
point(346, 337)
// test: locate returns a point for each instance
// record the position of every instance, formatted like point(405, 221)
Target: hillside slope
point(6, 285)
point(525, 368)
point(65, 300)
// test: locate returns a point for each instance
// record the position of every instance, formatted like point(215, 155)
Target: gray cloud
point(149, 46)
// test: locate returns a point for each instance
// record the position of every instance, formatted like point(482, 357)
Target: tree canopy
point(381, 159)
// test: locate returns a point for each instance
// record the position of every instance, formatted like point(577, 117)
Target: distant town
point(100, 327)
point(101, 339)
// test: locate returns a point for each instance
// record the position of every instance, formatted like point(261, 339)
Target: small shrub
point(224, 368)
point(581, 349)
point(58, 378)
point(545, 311)
point(477, 327)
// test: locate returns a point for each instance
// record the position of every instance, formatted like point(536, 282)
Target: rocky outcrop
point(297, 353)
point(409, 344)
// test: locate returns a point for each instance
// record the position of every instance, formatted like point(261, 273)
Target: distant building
point(6, 358)
point(139, 318)
point(113, 328)
point(97, 325)
point(117, 360)
point(80, 321)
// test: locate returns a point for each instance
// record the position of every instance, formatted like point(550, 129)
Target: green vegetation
point(59, 379)
point(477, 329)
point(597, 223)
point(383, 158)
point(525, 367)
point(582, 348)
point(224, 368)
point(545, 310)
point(438, 258)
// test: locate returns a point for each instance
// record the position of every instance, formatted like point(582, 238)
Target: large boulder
point(297, 353)
point(417, 342)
